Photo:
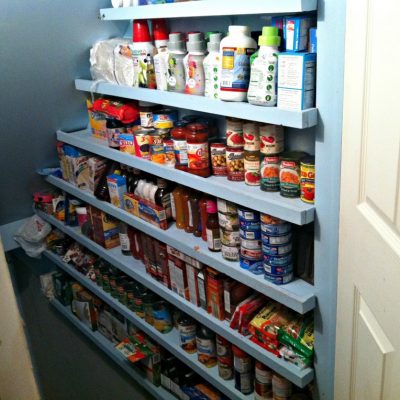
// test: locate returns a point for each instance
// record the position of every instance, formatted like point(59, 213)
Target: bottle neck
point(267, 50)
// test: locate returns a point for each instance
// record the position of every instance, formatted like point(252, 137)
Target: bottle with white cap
point(211, 66)
point(235, 52)
point(176, 70)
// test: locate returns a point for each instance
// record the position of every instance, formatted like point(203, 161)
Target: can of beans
point(276, 239)
point(269, 173)
point(252, 168)
point(307, 179)
point(169, 152)
point(235, 163)
point(289, 173)
point(234, 132)
point(229, 238)
point(251, 136)
point(157, 153)
point(226, 207)
point(278, 261)
point(254, 266)
point(218, 158)
point(230, 253)
point(271, 139)
point(250, 235)
point(270, 250)
point(279, 279)
point(248, 215)
point(281, 270)
point(142, 146)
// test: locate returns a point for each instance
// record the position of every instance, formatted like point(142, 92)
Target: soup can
point(279, 279)
point(270, 250)
point(289, 173)
point(235, 163)
point(269, 173)
point(251, 136)
point(278, 261)
point(307, 179)
point(276, 239)
point(142, 145)
point(218, 159)
point(271, 139)
point(250, 235)
point(157, 153)
point(252, 168)
point(230, 253)
point(234, 132)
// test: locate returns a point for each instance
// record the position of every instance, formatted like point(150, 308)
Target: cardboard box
point(97, 168)
point(117, 189)
point(296, 32)
point(97, 122)
point(105, 228)
point(312, 47)
point(215, 293)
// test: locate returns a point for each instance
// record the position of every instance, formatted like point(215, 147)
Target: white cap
point(245, 30)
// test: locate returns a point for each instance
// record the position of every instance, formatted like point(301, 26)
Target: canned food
point(225, 368)
point(263, 374)
point(248, 215)
point(250, 244)
point(226, 207)
point(244, 382)
point(271, 139)
point(229, 222)
point(218, 159)
point(250, 235)
point(164, 118)
point(281, 387)
point(157, 153)
point(307, 179)
point(235, 163)
point(249, 226)
point(230, 253)
point(289, 173)
point(253, 255)
point(169, 152)
point(278, 260)
point(269, 173)
point(229, 238)
point(282, 270)
point(252, 168)
point(276, 239)
point(279, 279)
point(276, 229)
point(251, 136)
point(234, 132)
point(251, 265)
point(127, 143)
point(270, 250)
point(142, 146)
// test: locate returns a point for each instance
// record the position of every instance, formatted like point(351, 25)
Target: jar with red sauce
point(178, 135)
point(197, 148)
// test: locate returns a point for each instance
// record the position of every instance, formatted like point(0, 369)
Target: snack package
point(124, 112)
point(294, 357)
point(247, 312)
point(234, 324)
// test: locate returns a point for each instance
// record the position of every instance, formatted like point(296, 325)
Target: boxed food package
point(191, 273)
point(178, 277)
point(215, 293)
point(97, 122)
point(116, 188)
point(119, 326)
point(104, 318)
point(296, 32)
point(182, 256)
point(312, 48)
point(105, 228)
point(62, 288)
point(234, 293)
point(77, 167)
point(152, 364)
point(97, 168)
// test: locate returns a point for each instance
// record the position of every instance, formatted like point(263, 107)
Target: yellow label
point(228, 62)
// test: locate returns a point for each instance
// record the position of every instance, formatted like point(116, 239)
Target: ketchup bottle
point(178, 135)
point(197, 148)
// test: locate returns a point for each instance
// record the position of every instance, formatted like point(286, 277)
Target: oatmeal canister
point(235, 163)
point(218, 159)
point(289, 173)
point(307, 179)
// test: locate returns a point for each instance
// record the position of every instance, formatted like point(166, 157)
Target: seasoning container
point(146, 110)
point(218, 159)
point(262, 382)
point(289, 173)
point(142, 146)
point(178, 135)
point(252, 168)
point(271, 139)
point(224, 358)
point(165, 118)
point(212, 227)
point(169, 153)
point(205, 342)
point(162, 319)
point(235, 163)
point(251, 136)
point(244, 375)
point(187, 333)
point(157, 153)
point(269, 173)
point(307, 179)
point(234, 132)
point(226, 207)
point(197, 146)
point(281, 387)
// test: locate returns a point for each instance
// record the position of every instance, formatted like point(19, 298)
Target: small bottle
point(179, 209)
point(194, 213)
point(186, 209)
point(134, 179)
point(193, 62)
point(101, 192)
point(124, 239)
point(197, 146)
point(212, 227)
point(176, 69)
point(211, 66)
point(203, 217)
point(178, 135)
point(162, 197)
point(206, 349)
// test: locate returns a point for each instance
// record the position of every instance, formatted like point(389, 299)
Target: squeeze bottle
point(160, 35)
point(176, 70)
point(212, 65)
point(193, 63)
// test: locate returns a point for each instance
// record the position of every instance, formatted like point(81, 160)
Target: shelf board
point(298, 295)
point(292, 210)
point(108, 348)
point(137, 271)
point(271, 115)
point(208, 8)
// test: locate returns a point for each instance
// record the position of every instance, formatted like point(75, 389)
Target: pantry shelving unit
point(298, 295)
point(136, 270)
point(108, 348)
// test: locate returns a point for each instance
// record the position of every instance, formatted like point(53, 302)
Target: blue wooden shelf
point(298, 295)
point(108, 348)
point(292, 210)
point(270, 115)
point(171, 341)
point(207, 8)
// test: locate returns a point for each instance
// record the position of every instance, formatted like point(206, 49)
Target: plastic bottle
point(143, 51)
point(179, 134)
point(264, 69)
point(179, 210)
point(197, 146)
point(212, 227)
point(186, 209)
point(160, 35)
point(211, 66)
point(193, 62)
point(176, 70)
point(235, 51)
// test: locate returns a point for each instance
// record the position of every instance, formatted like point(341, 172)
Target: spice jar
point(252, 168)
point(235, 163)
point(178, 135)
point(197, 146)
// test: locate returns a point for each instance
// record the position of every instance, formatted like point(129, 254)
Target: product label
point(192, 284)
point(271, 139)
point(227, 303)
point(197, 155)
point(202, 293)
point(179, 281)
point(270, 174)
point(235, 165)
point(181, 155)
point(243, 364)
point(252, 172)
point(125, 243)
point(211, 70)
point(289, 177)
point(143, 66)
point(218, 160)
point(213, 240)
point(235, 73)
point(146, 119)
point(173, 207)
point(206, 347)
point(176, 74)
point(187, 336)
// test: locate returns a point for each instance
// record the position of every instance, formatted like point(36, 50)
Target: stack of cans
point(276, 236)
point(229, 229)
point(251, 256)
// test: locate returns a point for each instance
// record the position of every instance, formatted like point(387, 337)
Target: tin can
point(281, 387)
point(226, 207)
point(218, 159)
point(165, 118)
point(229, 222)
point(225, 368)
point(279, 279)
point(229, 238)
point(157, 153)
point(282, 270)
point(249, 226)
point(250, 235)
point(289, 173)
point(271, 139)
point(235, 163)
point(251, 136)
point(127, 143)
point(252, 168)
point(276, 229)
point(248, 215)
point(307, 179)
point(234, 132)
point(254, 266)
point(162, 319)
point(262, 382)
point(230, 253)
point(250, 244)
point(269, 173)
point(244, 382)
point(169, 153)
point(278, 261)
point(276, 239)
point(142, 146)
point(276, 250)
point(252, 255)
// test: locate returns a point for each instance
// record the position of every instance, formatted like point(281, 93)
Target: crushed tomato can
point(307, 179)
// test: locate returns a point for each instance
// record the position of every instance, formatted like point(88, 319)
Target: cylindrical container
point(162, 317)
point(252, 255)
point(278, 261)
point(255, 266)
point(275, 270)
point(262, 382)
point(289, 173)
point(244, 371)
point(142, 146)
point(226, 207)
point(218, 159)
point(241, 360)
point(269, 173)
point(165, 118)
point(179, 134)
point(157, 153)
point(271, 139)
point(229, 237)
point(251, 136)
point(307, 179)
point(250, 244)
point(81, 213)
point(281, 387)
point(146, 113)
point(234, 132)
point(114, 128)
point(276, 239)
point(276, 229)
point(230, 253)
point(246, 214)
point(203, 217)
point(235, 163)
point(253, 226)
point(252, 168)
point(225, 358)
point(148, 301)
point(279, 279)
point(187, 333)
point(276, 250)
point(197, 146)
point(229, 222)
point(250, 235)
point(206, 349)
point(169, 153)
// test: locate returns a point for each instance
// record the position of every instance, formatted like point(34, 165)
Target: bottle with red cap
point(160, 35)
point(143, 52)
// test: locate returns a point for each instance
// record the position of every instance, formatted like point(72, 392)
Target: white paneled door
point(368, 314)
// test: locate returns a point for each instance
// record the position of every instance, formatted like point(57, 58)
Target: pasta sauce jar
point(289, 173)
point(197, 150)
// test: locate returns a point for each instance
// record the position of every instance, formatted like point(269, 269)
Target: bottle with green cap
point(211, 65)
point(264, 69)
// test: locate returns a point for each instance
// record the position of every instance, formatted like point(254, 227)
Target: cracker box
point(105, 228)
point(296, 32)
point(97, 168)
point(117, 189)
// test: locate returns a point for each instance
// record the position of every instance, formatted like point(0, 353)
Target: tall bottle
point(176, 70)
point(212, 227)
point(160, 35)
point(178, 135)
point(186, 210)
point(212, 65)
point(101, 191)
point(194, 212)
point(162, 196)
point(124, 239)
point(134, 179)
point(198, 154)
point(178, 193)
point(203, 217)
point(264, 69)
point(193, 62)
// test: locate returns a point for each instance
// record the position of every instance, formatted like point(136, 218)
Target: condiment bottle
point(186, 209)
point(187, 333)
point(212, 227)
point(162, 196)
point(203, 217)
point(124, 239)
point(197, 145)
point(206, 351)
point(180, 145)
point(179, 210)
point(194, 213)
